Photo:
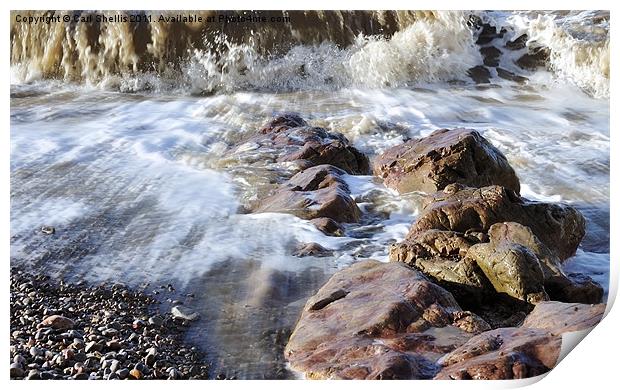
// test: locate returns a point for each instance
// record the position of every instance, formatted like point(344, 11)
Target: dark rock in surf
point(490, 55)
point(574, 287)
point(488, 33)
point(282, 123)
point(317, 192)
point(461, 209)
point(377, 320)
point(534, 58)
point(518, 43)
point(480, 74)
point(507, 75)
point(446, 156)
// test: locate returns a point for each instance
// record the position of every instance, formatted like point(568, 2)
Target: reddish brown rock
point(312, 249)
point(328, 226)
point(317, 192)
point(377, 320)
point(283, 122)
point(57, 322)
point(446, 156)
point(559, 317)
point(290, 139)
point(560, 227)
point(506, 353)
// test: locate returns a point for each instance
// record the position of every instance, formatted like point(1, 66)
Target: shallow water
point(141, 188)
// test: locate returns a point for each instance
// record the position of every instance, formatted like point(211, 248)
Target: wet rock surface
point(508, 75)
point(511, 269)
point(65, 331)
point(445, 157)
point(518, 43)
point(560, 227)
point(312, 249)
point(490, 55)
point(328, 226)
point(520, 352)
point(317, 192)
point(441, 255)
point(560, 286)
point(506, 353)
point(289, 138)
point(534, 58)
point(560, 317)
point(377, 320)
point(480, 74)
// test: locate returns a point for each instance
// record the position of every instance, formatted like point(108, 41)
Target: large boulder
point(559, 286)
point(289, 138)
point(508, 259)
point(560, 317)
point(506, 353)
point(446, 156)
point(529, 350)
point(317, 192)
point(377, 320)
point(512, 269)
point(441, 255)
point(462, 209)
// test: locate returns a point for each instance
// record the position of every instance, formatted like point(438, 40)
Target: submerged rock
point(328, 226)
point(289, 138)
point(312, 249)
point(317, 192)
point(378, 320)
point(534, 58)
point(508, 75)
point(506, 353)
point(560, 227)
point(490, 55)
point(184, 313)
point(480, 74)
point(446, 156)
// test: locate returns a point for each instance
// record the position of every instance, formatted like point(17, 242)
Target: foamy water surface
point(141, 187)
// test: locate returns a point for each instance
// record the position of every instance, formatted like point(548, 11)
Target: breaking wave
point(307, 50)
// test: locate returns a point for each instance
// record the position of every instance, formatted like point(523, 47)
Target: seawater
point(141, 189)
